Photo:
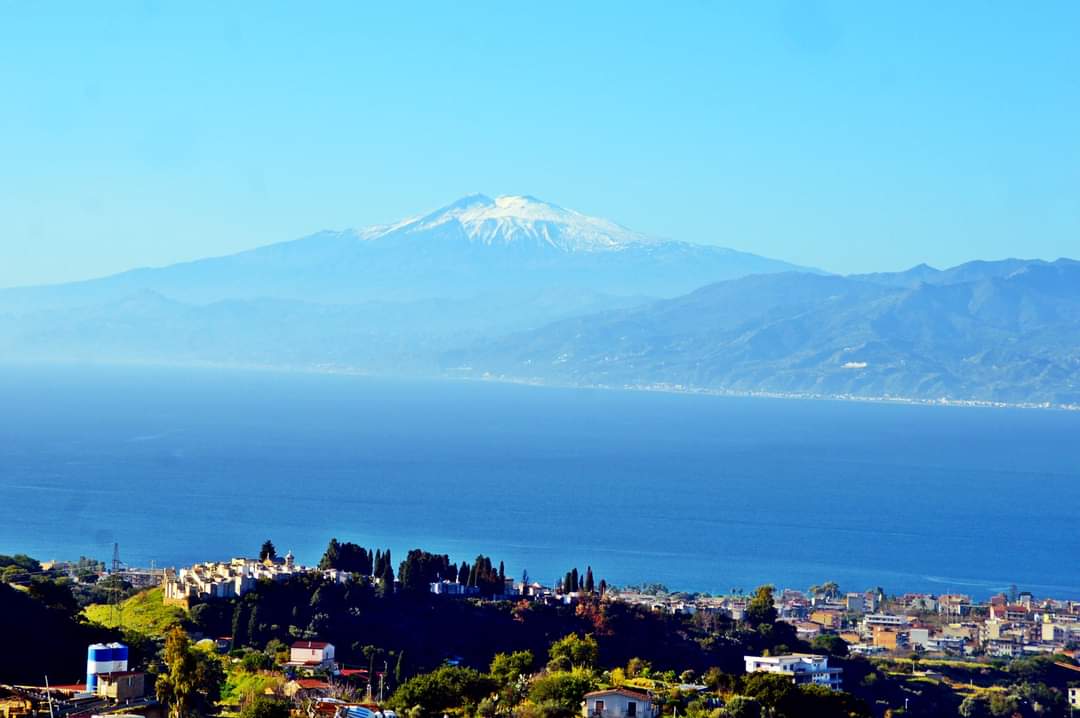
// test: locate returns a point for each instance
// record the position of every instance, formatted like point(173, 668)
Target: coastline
point(488, 377)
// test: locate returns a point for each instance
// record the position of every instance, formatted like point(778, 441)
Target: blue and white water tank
point(104, 658)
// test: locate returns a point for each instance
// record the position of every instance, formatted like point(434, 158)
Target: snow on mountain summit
point(515, 219)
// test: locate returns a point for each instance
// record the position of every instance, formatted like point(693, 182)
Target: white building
point(919, 637)
point(311, 654)
point(230, 579)
point(801, 667)
point(882, 620)
point(618, 703)
point(1074, 697)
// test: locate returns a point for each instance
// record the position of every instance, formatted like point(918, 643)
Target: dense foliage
point(51, 638)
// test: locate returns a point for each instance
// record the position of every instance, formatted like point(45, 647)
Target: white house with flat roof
point(802, 668)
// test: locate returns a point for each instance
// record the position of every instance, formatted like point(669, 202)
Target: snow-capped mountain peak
point(516, 219)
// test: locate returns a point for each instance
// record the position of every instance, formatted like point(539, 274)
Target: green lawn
point(144, 612)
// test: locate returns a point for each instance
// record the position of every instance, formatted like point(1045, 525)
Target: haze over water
point(699, 493)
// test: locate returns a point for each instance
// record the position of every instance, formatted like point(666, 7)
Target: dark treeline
point(417, 571)
point(370, 612)
point(429, 629)
point(43, 623)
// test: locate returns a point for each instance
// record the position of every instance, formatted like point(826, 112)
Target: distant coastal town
point(869, 622)
point(358, 636)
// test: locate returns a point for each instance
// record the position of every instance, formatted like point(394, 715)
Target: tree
point(192, 682)
point(265, 707)
point(14, 574)
point(743, 707)
point(267, 552)
point(590, 585)
point(507, 668)
point(54, 594)
point(559, 695)
point(831, 644)
point(420, 569)
point(348, 557)
point(973, 707)
point(442, 690)
point(579, 652)
point(256, 661)
point(1003, 704)
point(638, 668)
point(761, 608)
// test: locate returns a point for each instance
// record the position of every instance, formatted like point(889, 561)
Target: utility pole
point(48, 695)
point(115, 589)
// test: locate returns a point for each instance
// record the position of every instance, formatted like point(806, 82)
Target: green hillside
point(144, 612)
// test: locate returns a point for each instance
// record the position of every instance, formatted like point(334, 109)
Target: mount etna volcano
point(518, 288)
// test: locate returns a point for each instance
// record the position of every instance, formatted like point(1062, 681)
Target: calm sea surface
point(698, 493)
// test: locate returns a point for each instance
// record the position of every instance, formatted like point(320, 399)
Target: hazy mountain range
point(518, 288)
point(1001, 331)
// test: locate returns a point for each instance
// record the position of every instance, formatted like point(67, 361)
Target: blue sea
point(695, 492)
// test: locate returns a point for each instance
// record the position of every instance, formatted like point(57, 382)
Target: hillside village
point(831, 634)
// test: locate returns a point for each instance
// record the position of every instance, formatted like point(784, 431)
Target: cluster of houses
point(230, 579)
point(947, 623)
point(951, 624)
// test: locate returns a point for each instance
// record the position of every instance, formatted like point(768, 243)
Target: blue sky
point(850, 136)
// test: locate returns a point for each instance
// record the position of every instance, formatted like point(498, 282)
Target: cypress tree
point(574, 581)
point(253, 627)
point(463, 573)
point(330, 557)
point(502, 573)
point(603, 587)
point(240, 625)
point(589, 585)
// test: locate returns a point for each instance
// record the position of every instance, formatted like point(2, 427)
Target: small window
point(631, 708)
point(599, 708)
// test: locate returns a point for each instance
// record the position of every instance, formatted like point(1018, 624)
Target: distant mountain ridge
point(517, 288)
point(999, 331)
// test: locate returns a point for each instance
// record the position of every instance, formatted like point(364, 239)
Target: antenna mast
point(116, 589)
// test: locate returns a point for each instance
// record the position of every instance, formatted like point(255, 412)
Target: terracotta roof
point(620, 691)
point(311, 683)
point(353, 672)
point(310, 644)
